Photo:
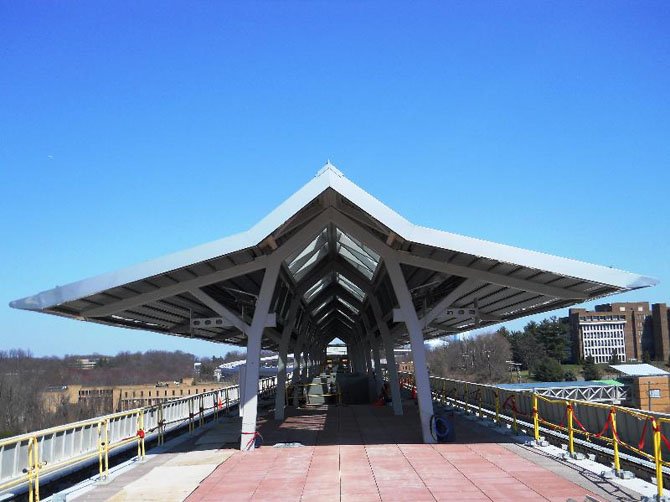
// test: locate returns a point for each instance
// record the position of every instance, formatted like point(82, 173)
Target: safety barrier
point(643, 434)
point(27, 458)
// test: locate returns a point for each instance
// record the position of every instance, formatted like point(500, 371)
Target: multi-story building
point(124, 397)
point(660, 322)
point(628, 328)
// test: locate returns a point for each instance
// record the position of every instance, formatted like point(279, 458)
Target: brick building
point(633, 329)
point(660, 321)
point(124, 397)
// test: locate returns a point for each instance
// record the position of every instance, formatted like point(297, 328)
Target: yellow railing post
point(201, 403)
point(100, 450)
point(31, 465)
point(161, 424)
point(515, 425)
point(497, 398)
point(536, 418)
point(106, 425)
point(140, 435)
point(658, 459)
point(36, 464)
point(571, 431)
point(444, 392)
point(465, 397)
point(615, 441)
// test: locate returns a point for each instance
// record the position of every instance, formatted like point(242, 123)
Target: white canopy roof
point(332, 232)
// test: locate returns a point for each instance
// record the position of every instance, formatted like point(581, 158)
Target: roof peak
point(328, 166)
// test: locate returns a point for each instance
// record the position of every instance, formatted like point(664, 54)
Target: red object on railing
point(254, 435)
point(640, 444)
point(608, 421)
point(657, 428)
point(506, 402)
point(140, 433)
point(574, 418)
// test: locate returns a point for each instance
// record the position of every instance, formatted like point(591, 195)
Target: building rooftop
point(556, 385)
point(641, 369)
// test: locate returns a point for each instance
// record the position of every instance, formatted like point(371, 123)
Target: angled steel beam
point(224, 312)
point(175, 289)
point(306, 233)
point(353, 228)
point(446, 302)
point(490, 277)
point(335, 290)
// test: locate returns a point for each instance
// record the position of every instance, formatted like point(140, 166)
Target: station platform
point(358, 453)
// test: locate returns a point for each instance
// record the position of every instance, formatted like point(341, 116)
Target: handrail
point(613, 425)
point(50, 450)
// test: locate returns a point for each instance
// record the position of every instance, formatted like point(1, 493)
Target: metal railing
point(604, 428)
point(27, 458)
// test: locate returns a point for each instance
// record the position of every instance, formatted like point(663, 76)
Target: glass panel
point(318, 286)
point(346, 316)
point(350, 286)
point(348, 305)
point(316, 310)
point(305, 260)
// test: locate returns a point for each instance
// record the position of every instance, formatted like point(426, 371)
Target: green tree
point(553, 335)
point(570, 376)
point(590, 370)
point(614, 358)
point(530, 349)
point(548, 370)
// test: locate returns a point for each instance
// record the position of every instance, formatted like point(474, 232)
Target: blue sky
point(129, 131)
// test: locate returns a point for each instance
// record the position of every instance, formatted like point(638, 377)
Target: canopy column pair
point(409, 317)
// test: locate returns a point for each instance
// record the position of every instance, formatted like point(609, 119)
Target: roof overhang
point(332, 237)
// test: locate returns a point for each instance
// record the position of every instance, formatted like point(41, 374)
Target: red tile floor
point(362, 453)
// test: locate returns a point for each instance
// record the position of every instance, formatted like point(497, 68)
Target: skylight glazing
point(357, 254)
point(348, 305)
point(350, 286)
point(317, 287)
point(306, 259)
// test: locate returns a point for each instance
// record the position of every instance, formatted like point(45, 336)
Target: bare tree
point(478, 359)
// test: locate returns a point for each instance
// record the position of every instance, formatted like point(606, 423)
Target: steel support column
point(372, 384)
point(280, 393)
point(298, 363)
point(254, 335)
point(378, 365)
point(391, 367)
point(416, 340)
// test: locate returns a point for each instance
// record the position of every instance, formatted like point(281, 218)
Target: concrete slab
point(166, 483)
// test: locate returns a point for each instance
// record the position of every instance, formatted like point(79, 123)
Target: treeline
point(478, 359)
point(23, 379)
point(541, 348)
